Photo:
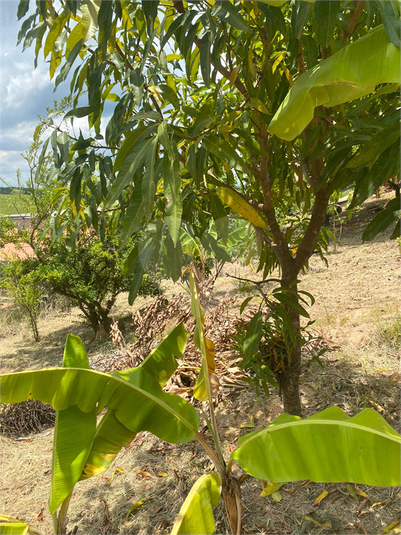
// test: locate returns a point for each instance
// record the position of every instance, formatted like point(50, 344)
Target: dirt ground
point(358, 316)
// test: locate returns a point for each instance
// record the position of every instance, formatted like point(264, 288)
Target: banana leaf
point(12, 526)
point(136, 398)
point(351, 73)
point(74, 432)
point(326, 447)
point(112, 435)
point(196, 513)
point(202, 389)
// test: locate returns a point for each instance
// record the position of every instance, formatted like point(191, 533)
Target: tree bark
point(291, 371)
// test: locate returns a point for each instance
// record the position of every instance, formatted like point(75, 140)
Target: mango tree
point(257, 108)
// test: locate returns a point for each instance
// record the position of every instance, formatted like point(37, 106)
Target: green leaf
point(273, 13)
point(150, 12)
point(227, 12)
point(326, 447)
point(311, 50)
point(244, 303)
point(352, 72)
point(196, 514)
point(252, 339)
point(383, 220)
point(23, 7)
point(140, 266)
point(376, 145)
point(74, 432)
point(382, 170)
point(202, 390)
point(169, 94)
point(137, 399)
point(141, 152)
point(390, 13)
point(326, 13)
point(291, 302)
point(80, 112)
point(205, 58)
point(173, 259)
point(172, 193)
point(111, 435)
point(219, 215)
point(12, 526)
point(299, 17)
point(220, 148)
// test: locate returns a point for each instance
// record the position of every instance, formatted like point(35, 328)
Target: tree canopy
point(262, 108)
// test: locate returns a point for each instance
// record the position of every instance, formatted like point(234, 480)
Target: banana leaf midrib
point(302, 423)
point(110, 378)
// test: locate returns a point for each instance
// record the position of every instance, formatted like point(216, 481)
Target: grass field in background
point(12, 204)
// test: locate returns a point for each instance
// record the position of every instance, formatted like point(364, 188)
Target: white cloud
point(25, 84)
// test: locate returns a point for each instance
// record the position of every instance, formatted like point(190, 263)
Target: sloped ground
point(358, 314)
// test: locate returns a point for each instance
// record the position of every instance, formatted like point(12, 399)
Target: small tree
point(21, 281)
point(90, 274)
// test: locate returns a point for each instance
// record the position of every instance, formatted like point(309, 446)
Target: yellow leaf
point(277, 496)
point(234, 75)
point(162, 474)
point(249, 425)
point(361, 493)
point(258, 104)
point(152, 89)
point(239, 205)
point(278, 60)
point(271, 488)
point(210, 354)
point(137, 505)
point(321, 497)
point(391, 529)
point(317, 523)
point(250, 61)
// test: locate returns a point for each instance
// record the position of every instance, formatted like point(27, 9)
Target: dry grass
point(357, 311)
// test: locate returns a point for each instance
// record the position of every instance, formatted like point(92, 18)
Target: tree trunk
point(290, 373)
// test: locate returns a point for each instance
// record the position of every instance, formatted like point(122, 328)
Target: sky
point(24, 94)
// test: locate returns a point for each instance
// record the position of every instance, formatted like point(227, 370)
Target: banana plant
point(134, 400)
point(327, 447)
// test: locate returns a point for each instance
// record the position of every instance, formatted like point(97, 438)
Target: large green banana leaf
point(134, 396)
point(350, 73)
point(74, 432)
point(196, 513)
point(326, 447)
point(111, 434)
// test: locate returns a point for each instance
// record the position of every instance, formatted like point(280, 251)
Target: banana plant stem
point(212, 454)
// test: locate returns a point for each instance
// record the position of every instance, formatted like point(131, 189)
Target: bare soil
point(358, 316)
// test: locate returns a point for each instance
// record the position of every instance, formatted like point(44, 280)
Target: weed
point(389, 332)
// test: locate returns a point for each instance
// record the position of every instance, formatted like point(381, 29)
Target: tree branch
point(307, 245)
point(359, 6)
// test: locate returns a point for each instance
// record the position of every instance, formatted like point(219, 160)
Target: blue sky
point(24, 94)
